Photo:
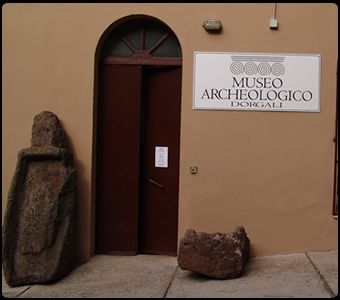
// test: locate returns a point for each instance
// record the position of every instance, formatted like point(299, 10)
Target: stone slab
point(12, 292)
point(280, 276)
point(328, 266)
point(141, 276)
point(38, 234)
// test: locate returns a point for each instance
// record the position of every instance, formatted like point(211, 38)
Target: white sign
point(161, 157)
point(265, 82)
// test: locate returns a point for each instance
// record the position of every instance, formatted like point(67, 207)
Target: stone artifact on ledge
point(38, 238)
point(216, 255)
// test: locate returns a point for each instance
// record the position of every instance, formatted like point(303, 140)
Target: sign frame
point(249, 54)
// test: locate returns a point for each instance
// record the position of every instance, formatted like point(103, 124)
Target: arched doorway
point(138, 135)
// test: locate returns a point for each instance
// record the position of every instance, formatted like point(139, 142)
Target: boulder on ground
point(216, 255)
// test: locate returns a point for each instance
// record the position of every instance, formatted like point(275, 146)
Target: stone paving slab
point(327, 265)
point(308, 275)
point(146, 276)
point(12, 292)
point(281, 276)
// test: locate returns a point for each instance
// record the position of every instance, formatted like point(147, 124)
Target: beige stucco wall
point(272, 172)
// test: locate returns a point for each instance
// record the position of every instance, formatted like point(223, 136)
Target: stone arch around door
point(137, 135)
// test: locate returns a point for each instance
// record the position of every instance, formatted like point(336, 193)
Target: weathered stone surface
point(38, 238)
point(216, 255)
point(47, 132)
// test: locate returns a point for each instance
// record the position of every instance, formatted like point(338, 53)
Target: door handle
point(156, 183)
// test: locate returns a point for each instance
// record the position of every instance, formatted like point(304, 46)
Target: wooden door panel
point(160, 213)
point(117, 186)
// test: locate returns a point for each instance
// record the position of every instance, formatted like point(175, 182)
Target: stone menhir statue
point(38, 237)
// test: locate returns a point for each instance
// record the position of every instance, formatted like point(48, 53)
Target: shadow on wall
point(82, 205)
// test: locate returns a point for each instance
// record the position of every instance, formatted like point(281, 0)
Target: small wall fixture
point(273, 23)
point(212, 25)
point(193, 170)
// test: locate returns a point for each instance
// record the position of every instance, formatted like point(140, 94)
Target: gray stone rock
point(47, 132)
point(216, 255)
point(38, 236)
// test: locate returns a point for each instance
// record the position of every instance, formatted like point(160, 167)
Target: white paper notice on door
point(161, 157)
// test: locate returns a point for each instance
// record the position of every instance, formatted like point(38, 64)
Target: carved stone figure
point(38, 237)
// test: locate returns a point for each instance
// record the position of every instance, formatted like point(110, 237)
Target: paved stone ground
point(309, 275)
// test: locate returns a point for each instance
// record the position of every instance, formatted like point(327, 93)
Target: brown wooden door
point(139, 109)
point(159, 209)
point(117, 185)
